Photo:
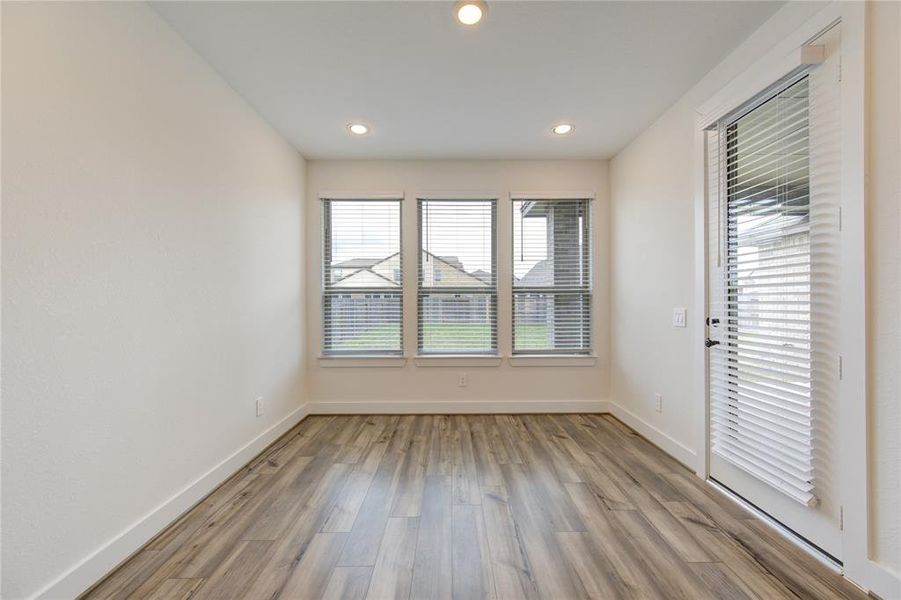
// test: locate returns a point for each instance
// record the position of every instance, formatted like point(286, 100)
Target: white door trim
point(781, 59)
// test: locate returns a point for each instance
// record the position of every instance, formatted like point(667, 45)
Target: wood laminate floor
point(487, 506)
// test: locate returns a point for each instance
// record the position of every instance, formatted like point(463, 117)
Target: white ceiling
point(431, 88)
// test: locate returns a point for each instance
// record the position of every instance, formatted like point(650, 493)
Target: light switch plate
point(679, 317)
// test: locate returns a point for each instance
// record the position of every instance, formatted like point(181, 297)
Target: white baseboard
point(90, 570)
point(450, 407)
point(884, 583)
point(671, 446)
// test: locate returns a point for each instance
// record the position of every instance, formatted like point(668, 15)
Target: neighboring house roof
point(359, 263)
point(539, 275)
point(454, 263)
point(482, 275)
point(365, 274)
point(365, 278)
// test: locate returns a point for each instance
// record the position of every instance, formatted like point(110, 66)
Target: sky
point(364, 229)
point(371, 229)
point(461, 229)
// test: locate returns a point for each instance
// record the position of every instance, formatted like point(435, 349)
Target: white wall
point(515, 387)
point(651, 272)
point(884, 281)
point(652, 250)
point(152, 275)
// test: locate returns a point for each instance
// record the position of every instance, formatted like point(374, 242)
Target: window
point(457, 277)
point(551, 277)
point(773, 273)
point(361, 277)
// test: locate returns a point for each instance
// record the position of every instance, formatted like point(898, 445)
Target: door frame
point(852, 467)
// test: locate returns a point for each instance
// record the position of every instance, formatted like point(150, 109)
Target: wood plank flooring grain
point(675, 535)
point(465, 471)
point(234, 576)
point(484, 453)
point(408, 497)
point(298, 532)
point(348, 583)
point(658, 557)
point(717, 543)
point(595, 574)
point(440, 447)
point(369, 526)
point(721, 581)
point(176, 589)
point(432, 575)
point(122, 582)
point(344, 513)
point(629, 568)
point(473, 577)
point(392, 575)
point(512, 573)
point(311, 576)
point(553, 577)
point(468, 506)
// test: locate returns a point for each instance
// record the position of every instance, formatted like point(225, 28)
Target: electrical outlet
point(658, 402)
point(462, 380)
point(260, 406)
point(679, 317)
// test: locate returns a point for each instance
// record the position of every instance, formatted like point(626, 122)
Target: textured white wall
point(152, 275)
point(424, 384)
point(652, 245)
point(884, 285)
point(652, 251)
point(651, 270)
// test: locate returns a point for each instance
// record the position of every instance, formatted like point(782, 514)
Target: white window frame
point(363, 358)
point(466, 357)
point(540, 357)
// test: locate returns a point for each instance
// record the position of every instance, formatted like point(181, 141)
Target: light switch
point(678, 317)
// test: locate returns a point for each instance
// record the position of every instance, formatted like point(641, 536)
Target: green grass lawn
point(531, 337)
point(445, 336)
point(380, 337)
point(456, 337)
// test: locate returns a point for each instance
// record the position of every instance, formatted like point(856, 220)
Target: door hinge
point(841, 368)
point(839, 69)
point(841, 518)
point(839, 218)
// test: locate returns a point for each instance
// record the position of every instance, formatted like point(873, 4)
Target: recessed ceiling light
point(563, 128)
point(470, 12)
point(358, 128)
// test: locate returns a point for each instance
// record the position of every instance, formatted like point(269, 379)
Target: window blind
point(551, 277)
point(362, 278)
point(457, 293)
point(773, 247)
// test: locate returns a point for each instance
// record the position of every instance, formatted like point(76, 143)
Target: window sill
point(453, 360)
point(457, 360)
point(361, 361)
point(553, 360)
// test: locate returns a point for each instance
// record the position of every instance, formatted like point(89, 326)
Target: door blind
point(772, 249)
point(457, 295)
point(362, 278)
point(551, 277)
